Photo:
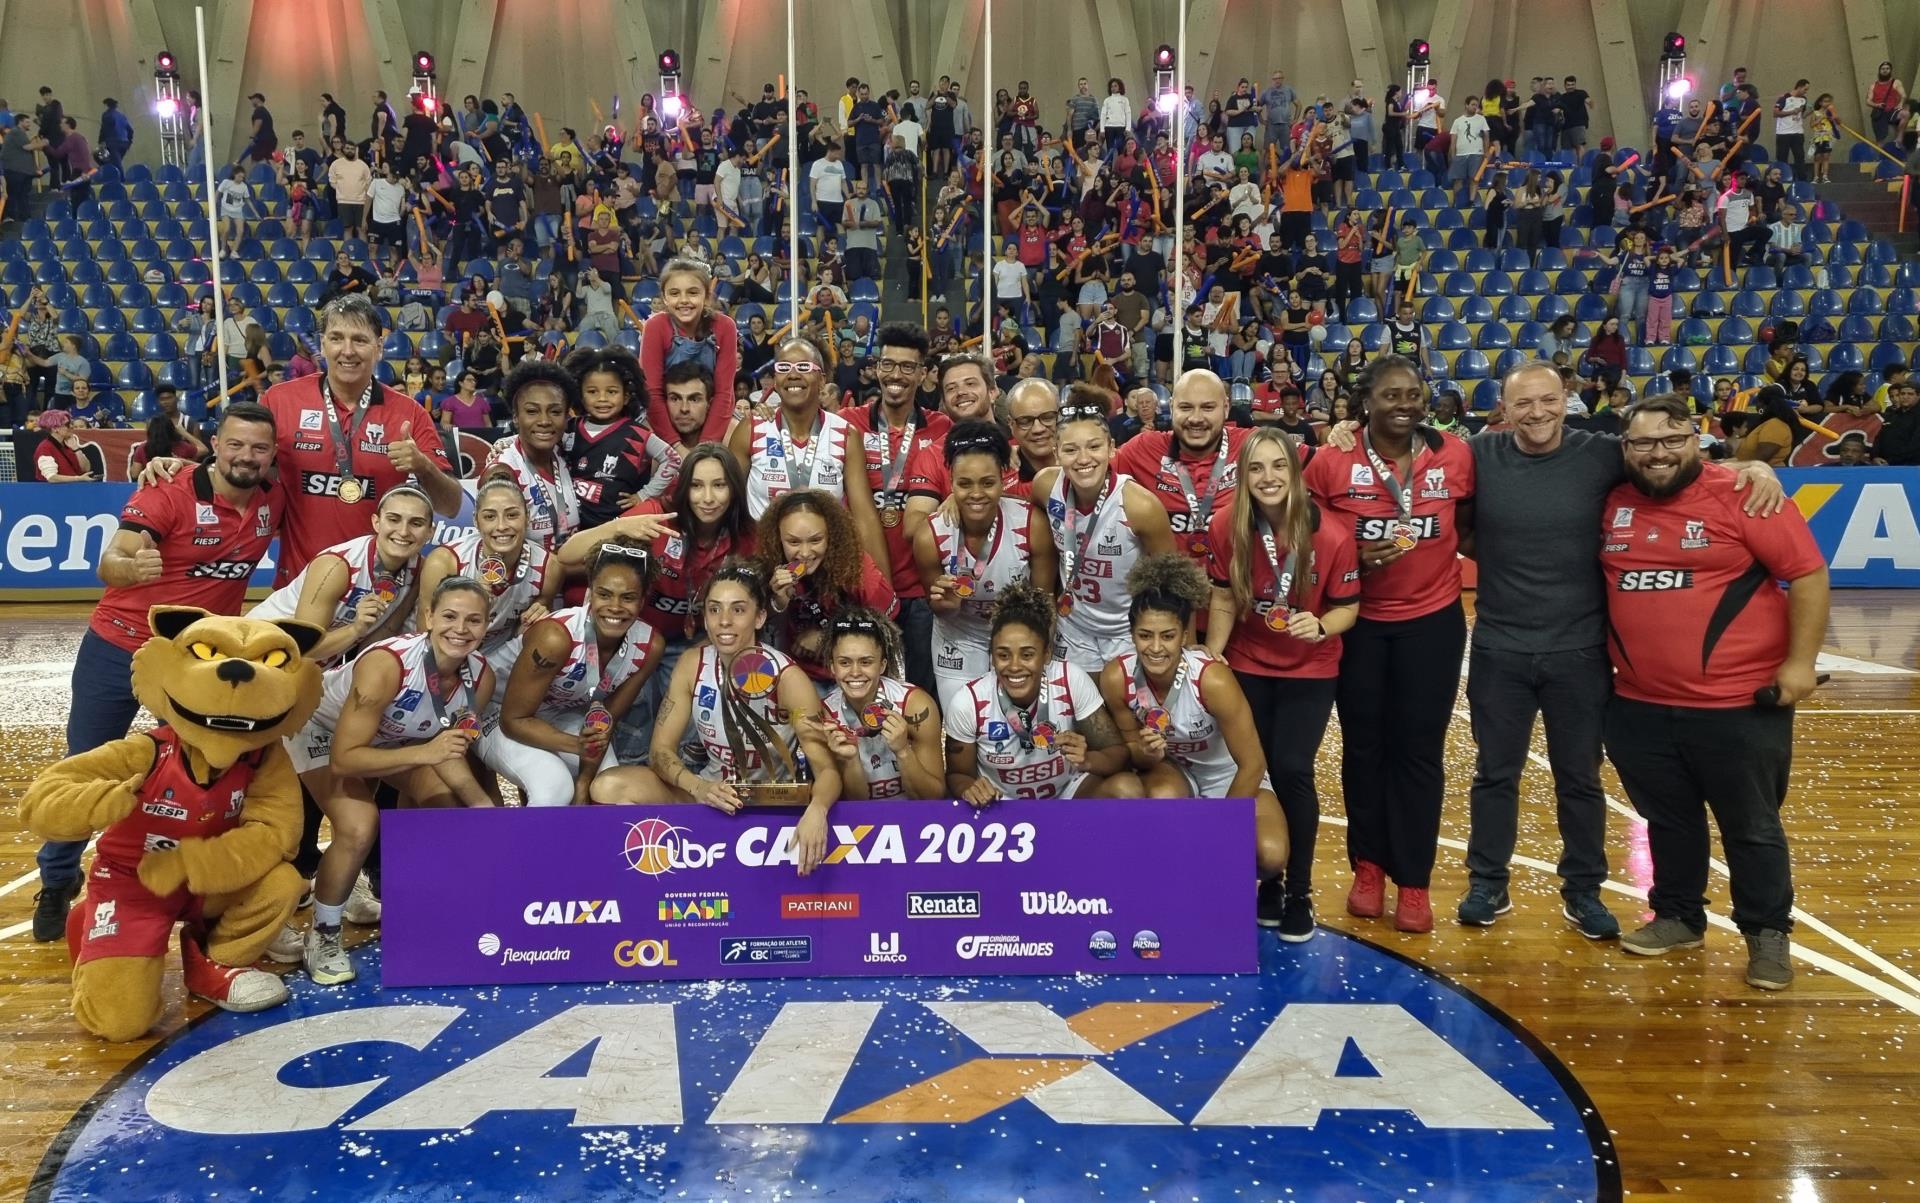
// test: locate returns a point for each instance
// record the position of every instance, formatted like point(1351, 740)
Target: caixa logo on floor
point(1339, 1071)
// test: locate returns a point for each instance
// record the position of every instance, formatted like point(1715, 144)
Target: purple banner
point(645, 893)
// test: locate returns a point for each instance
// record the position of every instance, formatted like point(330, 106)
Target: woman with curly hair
point(615, 459)
point(884, 733)
point(752, 710)
point(813, 565)
point(1286, 585)
point(1186, 724)
point(1034, 726)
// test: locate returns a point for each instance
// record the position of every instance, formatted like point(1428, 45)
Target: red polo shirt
point(208, 551)
point(1694, 615)
point(929, 431)
point(316, 518)
point(1149, 457)
point(1427, 578)
point(1333, 579)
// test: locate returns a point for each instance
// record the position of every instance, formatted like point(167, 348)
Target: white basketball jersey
point(553, 508)
point(710, 720)
point(1195, 744)
point(363, 563)
point(1016, 765)
point(960, 638)
point(1095, 630)
point(522, 586)
point(882, 766)
point(573, 685)
point(410, 718)
point(777, 466)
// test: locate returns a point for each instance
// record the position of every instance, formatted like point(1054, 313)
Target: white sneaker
point(253, 990)
point(327, 961)
point(287, 947)
point(362, 906)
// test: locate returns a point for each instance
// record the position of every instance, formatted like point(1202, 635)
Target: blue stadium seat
point(269, 320)
point(123, 271)
point(1443, 261)
point(1533, 283)
point(1734, 332)
point(110, 250)
point(1453, 337)
point(147, 321)
point(302, 272)
point(1528, 336)
point(1374, 337)
point(399, 345)
point(281, 346)
point(135, 296)
point(1462, 240)
point(1719, 361)
point(320, 250)
point(264, 271)
point(1749, 304)
point(1496, 284)
point(1516, 308)
point(1494, 336)
point(1476, 309)
point(1590, 307)
point(100, 296)
point(1897, 326)
point(1797, 276)
point(1639, 361)
point(1486, 394)
point(1708, 304)
point(284, 249)
point(159, 347)
point(1571, 282)
point(1858, 328)
point(1479, 259)
point(1678, 357)
point(1449, 219)
point(1825, 303)
point(432, 347)
point(1787, 303)
point(1846, 357)
point(1510, 359)
point(170, 297)
point(244, 292)
point(1902, 300)
point(108, 321)
point(1761, 276)
point(1363, 311)
point(1435, 310)
point(1460, 284)
point(249, 249)
point(863, 289)
point(282, 295)
point(120, 345)
point(1551, 306)
point(1470, 365)
point(85, 271)
point(1865, 301)
point(133, 377)
point(300, 320)
point(1884, 355)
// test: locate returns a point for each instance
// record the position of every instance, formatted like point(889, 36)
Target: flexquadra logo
point(581, 1092)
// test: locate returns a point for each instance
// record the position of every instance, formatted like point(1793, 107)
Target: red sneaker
point(1412, 912)
point(1367, 898)
point(240, 989)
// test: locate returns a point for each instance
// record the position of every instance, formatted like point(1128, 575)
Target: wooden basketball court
point(1711, 1090)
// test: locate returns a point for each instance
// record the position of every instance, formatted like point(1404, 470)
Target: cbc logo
point(642, 954)
point(489, 945)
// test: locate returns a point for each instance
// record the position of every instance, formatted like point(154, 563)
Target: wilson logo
point(1059, 902)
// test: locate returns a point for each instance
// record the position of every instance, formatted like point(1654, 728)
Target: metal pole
point(984, 121)
point(212, 199)
point(1176, 262)
point(793, 179)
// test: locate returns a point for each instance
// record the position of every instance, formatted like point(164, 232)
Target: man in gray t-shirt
point(860, 234)
point(1539, 638)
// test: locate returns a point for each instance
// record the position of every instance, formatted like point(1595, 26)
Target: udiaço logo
point(1177, 1087)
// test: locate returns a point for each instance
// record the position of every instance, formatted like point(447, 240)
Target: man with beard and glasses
point(1710, 658)
point(190, 541)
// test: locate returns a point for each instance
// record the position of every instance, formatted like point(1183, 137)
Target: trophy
point(790, 783)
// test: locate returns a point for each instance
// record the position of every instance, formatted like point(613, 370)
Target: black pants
point(1292, 714)
point(1672, 759)
point(904, 213)
point(1397, 685)
point(1569, 691)
point(863, 263)
point(19, 196)
point(1349, 281)
point(1792, 148)
point(1748, 246)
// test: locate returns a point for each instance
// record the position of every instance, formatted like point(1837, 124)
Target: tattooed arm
point(1107, 753)
point(540, 659)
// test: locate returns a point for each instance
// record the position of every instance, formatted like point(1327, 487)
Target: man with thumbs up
point(193, 540)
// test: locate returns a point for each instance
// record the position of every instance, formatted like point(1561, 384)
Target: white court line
point(1835, 662)
point(1840, 969)
point(16, 883)
point(9, 932)
point(1805, 712)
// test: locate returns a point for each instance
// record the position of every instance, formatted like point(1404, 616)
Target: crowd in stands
point(1319, 231)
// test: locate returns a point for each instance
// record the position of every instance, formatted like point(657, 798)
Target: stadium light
point(166, 108)
point(669, 62)
point(1419, 53)
point(1679, 88)
point(422, 63)
point(1163, 58)
point(163, 63)
point(1166, 93)
point(1674, 46)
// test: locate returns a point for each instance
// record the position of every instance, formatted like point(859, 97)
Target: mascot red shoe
point(199, 820)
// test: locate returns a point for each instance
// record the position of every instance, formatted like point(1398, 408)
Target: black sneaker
point(1272, 903)
point(50, 912)
point(1296, 920)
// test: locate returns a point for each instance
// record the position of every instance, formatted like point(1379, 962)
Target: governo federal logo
point(1338, 1071)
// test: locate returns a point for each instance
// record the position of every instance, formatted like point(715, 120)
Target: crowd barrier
point(1867, 521)
point(648, 893)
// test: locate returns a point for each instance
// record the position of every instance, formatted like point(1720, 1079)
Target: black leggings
point(1292, 713)
point(1396, 692)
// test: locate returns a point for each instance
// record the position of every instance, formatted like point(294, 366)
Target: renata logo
point(540, 914)
point(819, 906)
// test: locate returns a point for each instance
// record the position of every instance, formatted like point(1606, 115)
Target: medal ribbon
point(464, 689)
point(1067, 538)
point(345, 441)
point(1138, 684)
point(963, 561)
point(591, 654)
point(893, 466)
point(1028, 719)
point(1199, 505)
point(1285, 577)
point(795, 464)
point(1402, 494)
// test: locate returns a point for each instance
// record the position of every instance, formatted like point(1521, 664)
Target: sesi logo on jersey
point(327, 484)
point(221, 570)
point(1655, 580)
point(1427, 526)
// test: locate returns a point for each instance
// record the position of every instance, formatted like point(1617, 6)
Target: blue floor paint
point(116, 1149)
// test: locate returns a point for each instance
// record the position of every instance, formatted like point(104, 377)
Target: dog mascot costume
point(198, 818)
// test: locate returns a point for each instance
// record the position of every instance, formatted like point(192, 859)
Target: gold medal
point(1064, 606)
point(1404, 535)
point(1277, 618)
point(351, 491)
point(889, 518)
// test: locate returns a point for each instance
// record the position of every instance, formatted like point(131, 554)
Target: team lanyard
point(795, 463)
point(1402, 494)
point(1030, 725)
point(547, 495)
point(892, 466)
point(343, 445)
point(969, 570)
point(1159, 713)
point(590, 652)
point(1282, 606)
point(463, 689)
point(1067, 534)
point(1199, 505)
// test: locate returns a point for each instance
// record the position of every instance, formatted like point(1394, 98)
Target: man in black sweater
point(1899, 441)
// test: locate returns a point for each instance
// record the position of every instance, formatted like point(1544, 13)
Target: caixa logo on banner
point(1188, 1086)
point(656, 847)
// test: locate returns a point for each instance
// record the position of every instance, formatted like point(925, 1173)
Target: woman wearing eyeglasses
point(1186, 724)
point(813, 566)
point(1035, 726)
point(969, 551)
point(1286, 585)
point(884, 734)
point(801, 446)
point(521, 578)
point(404, 714)
point(360, 590)
point(540, 396)
point(705, 522)
point(578, 672)
point(1089, 526)
point(754, 712)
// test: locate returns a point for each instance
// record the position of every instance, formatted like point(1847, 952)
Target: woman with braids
point(1089, 525)
point(704, 522)
point(1286, 585)
point(521, 578)
point(578, 672)
point(884, 733)
point(614, 458)
point(753, 711)
point(361, 590)
point(1408, 492)
point(403, 713)
point(966, 560)
point(540, 395)
point(1034, 726)
point(1186, 724)
point(813, 566)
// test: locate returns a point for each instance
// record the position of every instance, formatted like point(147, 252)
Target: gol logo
point(644, 954)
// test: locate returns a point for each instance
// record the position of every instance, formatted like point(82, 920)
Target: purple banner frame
point(651, 893)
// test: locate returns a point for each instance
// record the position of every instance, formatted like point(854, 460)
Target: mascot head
point(226, 685)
